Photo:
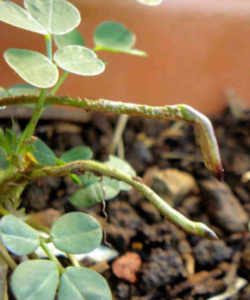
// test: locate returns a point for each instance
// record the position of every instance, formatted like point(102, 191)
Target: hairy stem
point(101, 168)
point(203, 127)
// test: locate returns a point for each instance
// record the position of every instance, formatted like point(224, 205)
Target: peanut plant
point(25, 158)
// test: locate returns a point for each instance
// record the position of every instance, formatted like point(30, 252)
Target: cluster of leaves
point(48, 18)
point(39, 279)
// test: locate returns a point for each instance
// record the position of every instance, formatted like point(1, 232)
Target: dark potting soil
point(156, 259)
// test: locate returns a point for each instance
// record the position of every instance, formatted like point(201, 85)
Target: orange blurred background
point(197, 49)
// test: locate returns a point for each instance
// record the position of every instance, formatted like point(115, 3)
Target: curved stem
point(51, 256)
point(203, 127)
point(101, 168)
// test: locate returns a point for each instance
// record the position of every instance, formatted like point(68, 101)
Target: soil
point(156, 259)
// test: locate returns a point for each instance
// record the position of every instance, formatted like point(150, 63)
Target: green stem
point(73, 260)
point(3, 211)
point(203, 127)
point(30, 128)
point(48, 40)
point(59, 83)
point(101, 168)
point(51, 256)
point(7, 174)
point(7, 258)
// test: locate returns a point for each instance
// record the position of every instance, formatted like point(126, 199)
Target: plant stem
point(59, 82)
point(73, 260)
point(3, 211)
point(51, 256)
point(203, 127)
point(30, 128)
point(5, 255)
point(101, 168)
point(7, 174)
point(48, 41)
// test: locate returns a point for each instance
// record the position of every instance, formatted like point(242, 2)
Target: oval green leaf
point(105, 189)
point(150, 2)
point(15, 15)
point(33, 67)
point(56, 16)
point(35, 280)
point(83, 284)
point(123, 166)
point(43, 154)
point(73, 37)
point(79, 60)
point(17, 236)
point(23, 89)
point(77, 153)
point(113, 35)
point(87, 196)
point(76, 233)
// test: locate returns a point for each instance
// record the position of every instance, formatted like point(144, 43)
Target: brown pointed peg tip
point(205, 138)
point(220, 174)
point(206, 232)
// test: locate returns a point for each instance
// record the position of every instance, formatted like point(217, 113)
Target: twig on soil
point(233, 289)
point(117, 138)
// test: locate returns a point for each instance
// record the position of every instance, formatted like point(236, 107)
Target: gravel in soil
point(156, 259)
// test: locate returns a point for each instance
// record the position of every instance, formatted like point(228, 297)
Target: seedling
point(25, 158)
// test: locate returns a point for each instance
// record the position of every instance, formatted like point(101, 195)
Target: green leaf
point(33, 67)
point(35, 280)
point(23, 89)
point(115, 37)
point(76, 233)
point(17, 236)
point(79, 60)
point(83, 284)
point(77, 153)
point(150, 2)
point(88, 196)
point(88, 178)
point(15, 15)
point(73, 37)
point(3, 158)
point(95, 191)
point(56, 16)
point(117, 163)
point(43, 154)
